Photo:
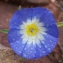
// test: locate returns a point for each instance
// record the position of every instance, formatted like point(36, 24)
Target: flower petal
point(52, 30)
point(20, 16)
point(29, 51)
point(14, 35)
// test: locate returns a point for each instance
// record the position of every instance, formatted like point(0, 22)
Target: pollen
point(32, 29)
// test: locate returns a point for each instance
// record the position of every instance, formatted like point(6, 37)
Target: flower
point(33, 32)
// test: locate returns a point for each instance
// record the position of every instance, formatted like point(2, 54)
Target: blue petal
point(15, 41)
point(29, 51)
point(52, 30)
point(18, 46)
point(47, 18)
point(41, 51)
point(19, 17)
point(38, 12)
point(49, 42)
point(14, 35)
point(49, 23)
point(47, 46)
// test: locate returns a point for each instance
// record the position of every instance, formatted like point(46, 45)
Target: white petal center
point(32, 31)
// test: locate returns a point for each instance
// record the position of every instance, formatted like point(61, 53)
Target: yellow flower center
point(31, 29)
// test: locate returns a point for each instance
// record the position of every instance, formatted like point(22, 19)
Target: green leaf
point(4, 31)
point(19, 7)
point(60, 24)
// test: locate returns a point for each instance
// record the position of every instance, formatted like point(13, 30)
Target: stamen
point(32, 30)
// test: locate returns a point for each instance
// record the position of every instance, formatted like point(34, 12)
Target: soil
point(8, 56)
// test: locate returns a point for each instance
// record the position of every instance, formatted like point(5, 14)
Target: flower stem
point(60, 24)
point(19, 7)
point(4, 31)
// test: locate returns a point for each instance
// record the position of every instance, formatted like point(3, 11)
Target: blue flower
point(33, 32)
